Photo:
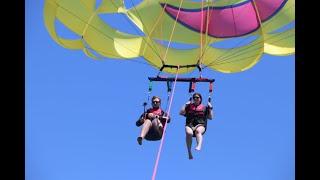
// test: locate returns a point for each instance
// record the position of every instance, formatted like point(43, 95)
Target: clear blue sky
point(81, 113)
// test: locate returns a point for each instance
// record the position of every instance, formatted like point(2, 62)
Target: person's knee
point(199, 130)
point(154, 123)
point(189, 133)
point(198, 133)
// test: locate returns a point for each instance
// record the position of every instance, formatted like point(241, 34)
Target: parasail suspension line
point(165, 127)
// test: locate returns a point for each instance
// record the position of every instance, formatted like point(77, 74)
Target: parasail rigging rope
point(164, 128)
point(171, 35)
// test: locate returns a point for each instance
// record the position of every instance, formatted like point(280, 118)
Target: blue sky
point(81, 113)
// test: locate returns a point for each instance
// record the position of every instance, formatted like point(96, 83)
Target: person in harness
point(152, 122)
point(196, 121)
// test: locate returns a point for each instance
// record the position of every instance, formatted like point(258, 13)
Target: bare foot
point(198, 148)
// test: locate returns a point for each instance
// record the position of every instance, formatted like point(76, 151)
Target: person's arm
point(140, 120)
point(183, 109)
point(151, 116)
point(143, 117)
point(209, 111)
point(165, 117)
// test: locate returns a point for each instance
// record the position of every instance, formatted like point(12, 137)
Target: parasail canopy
point(201, 25)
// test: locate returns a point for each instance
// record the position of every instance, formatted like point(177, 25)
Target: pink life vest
point(155, 111)
point(195, 111)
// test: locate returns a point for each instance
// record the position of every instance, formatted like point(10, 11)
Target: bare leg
point(144, 130)
point(189, 134)
point(157, 127)
point(199, 131)
point(159, 124)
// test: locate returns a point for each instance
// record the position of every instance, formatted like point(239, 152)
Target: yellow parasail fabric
point(169, 22)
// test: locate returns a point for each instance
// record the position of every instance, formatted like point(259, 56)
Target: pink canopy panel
point(228, 21)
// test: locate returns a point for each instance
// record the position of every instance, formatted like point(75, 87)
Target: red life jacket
point(194, 111)
point(156, 111)
point(195, 115)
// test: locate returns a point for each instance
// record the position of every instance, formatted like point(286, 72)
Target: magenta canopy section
point(227, 21)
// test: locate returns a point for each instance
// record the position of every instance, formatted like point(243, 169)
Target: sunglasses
point(155, 102)
point(196, 97)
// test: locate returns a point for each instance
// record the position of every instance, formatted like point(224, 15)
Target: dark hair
point(194, 94)
point(156, 97)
